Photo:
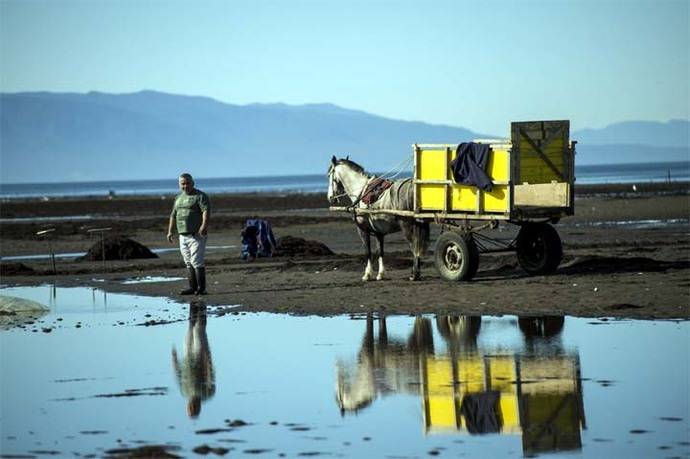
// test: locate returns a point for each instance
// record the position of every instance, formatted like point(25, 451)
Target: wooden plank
point(538, 151)
point(433, 182)
point(515, 153)
point(447, 202)
point(530, 125)
point(536, 162)
point(556, 194)
point(415, 196)
point(425, 215)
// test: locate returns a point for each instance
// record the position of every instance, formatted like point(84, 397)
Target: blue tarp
point(257, 239)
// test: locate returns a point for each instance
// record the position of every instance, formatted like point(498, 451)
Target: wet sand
point(626, 254)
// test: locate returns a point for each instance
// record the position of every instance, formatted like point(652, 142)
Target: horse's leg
point(417, 234)
point(382, 269)
point(366, 239)
point(408, 230)
point(383, 330)
point(420, 244)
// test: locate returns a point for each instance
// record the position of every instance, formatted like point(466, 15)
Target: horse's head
point(335, 184)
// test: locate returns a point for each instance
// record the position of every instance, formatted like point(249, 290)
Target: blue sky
point(473, 64)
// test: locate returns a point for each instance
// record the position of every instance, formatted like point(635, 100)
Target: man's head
point(186, 183)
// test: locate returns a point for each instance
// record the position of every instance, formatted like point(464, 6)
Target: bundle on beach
point(291, 246)
point(117, 248)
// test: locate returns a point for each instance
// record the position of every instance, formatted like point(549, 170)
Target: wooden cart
point(533, 176)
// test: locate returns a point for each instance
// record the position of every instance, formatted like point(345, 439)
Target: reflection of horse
point(348, 178)
point(194, 371)
point(386, 365)
point(383, 366)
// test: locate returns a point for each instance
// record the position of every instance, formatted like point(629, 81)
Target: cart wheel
point(456, 256)
point(539, 249)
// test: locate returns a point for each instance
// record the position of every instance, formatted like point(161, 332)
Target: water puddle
point(150, 279)
point(120, 374)
point(639, 224)
point(66, 218)
point(210, 248)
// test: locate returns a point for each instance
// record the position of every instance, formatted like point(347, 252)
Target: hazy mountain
point(97, 136)
point(675, 133)
point(634, 141)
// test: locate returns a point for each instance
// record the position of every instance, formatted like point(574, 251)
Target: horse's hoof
point(380, 277)
point(415, 278)
point(366, 278)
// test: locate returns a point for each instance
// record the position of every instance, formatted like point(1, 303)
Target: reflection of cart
point(537, 397)
point(533, 176)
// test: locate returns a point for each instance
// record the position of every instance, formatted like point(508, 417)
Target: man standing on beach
point(190, 214)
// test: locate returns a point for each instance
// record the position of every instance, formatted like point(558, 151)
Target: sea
point(314, 183)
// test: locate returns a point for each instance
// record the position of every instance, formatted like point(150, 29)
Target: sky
point(475, 64)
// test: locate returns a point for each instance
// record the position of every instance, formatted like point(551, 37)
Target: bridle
point(339, 185)
point(336, 185)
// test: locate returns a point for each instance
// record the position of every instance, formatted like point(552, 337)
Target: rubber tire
point(539, 248)
point(464, 256)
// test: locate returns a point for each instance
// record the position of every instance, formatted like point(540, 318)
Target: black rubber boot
point(193, 286)
point(201, 281)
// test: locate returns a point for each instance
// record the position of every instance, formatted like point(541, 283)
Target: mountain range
point(46, 137)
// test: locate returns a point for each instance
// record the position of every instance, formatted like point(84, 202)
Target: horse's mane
point(351, 164)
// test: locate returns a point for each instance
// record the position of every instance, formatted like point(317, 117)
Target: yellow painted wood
point(464, 198)
point(432, 197)
point(432, 165)
point(497, 200)
point(555, 375)
point(542, 195)
point(534, 168)
point(498, 167)
point(471, 375)
point(440, 389)
point(502, 377)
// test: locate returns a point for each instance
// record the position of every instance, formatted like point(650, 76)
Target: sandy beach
point(626, 254)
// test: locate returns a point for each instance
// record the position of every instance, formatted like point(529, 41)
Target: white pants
point(193, 248)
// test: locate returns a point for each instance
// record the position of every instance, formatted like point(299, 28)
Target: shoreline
point(674, 186)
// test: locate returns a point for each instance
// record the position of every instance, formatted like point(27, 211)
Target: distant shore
point(145, 203)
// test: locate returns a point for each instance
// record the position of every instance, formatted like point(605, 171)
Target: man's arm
point(203, 230)
point(170, 227)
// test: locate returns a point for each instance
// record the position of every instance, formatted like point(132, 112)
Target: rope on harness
point(398, 167)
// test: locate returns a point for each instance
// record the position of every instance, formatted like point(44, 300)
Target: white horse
point(347, 178)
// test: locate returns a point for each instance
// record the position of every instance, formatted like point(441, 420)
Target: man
point(190, 214)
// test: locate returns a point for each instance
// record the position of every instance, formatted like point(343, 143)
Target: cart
point(533, 176)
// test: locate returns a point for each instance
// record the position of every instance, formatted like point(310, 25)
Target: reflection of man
point(194, 371)
point(190, 215)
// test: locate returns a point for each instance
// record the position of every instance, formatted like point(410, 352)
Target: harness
point(374, 190)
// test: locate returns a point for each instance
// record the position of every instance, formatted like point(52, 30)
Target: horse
point(347, 178)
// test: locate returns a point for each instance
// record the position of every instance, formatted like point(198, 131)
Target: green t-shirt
point(188, 209)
